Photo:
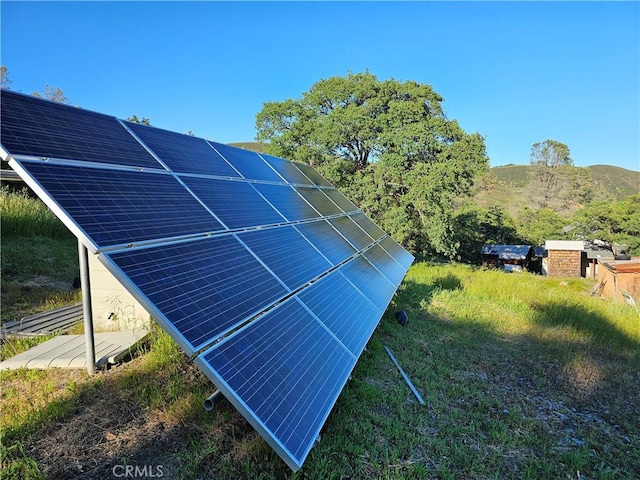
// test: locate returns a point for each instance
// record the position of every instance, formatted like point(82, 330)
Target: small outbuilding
point(566, 258)
point(510, 258)
point(620, 278)
point(596, 255)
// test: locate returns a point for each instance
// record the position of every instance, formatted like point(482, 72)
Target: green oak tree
point(388, 145)
point(613, 222)
point(475, 226)
point(551, 162)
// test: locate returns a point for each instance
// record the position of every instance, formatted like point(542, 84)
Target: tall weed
point(22, 215)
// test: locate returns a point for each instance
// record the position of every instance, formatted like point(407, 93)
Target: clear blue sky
point(517, 73)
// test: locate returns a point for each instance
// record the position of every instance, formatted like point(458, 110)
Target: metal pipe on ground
point(404, 375)
point(213, 399)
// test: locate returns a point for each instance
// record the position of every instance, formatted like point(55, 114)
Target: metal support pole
point(83, 257)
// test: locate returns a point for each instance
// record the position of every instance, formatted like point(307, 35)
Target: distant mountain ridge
point(619, 182)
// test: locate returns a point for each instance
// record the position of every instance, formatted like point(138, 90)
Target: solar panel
point(116, 207)
point(386, 264)
point(397, 252)
point(345, 311)
point(374, 231)
point(312, 175)
point(183, 153)
point(31, 126)
point(369, 281)
point(327, 239)
point(287, 253)
point(352, 232)
point(339, 199)
point(226, 198)
point(284, 372)
point(202, 288)
point(287, 201)
point(287, 170)
point(248, 163)
point(318, 200)
point(256, 266)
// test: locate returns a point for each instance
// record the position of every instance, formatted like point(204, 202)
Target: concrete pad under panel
point(68, 351)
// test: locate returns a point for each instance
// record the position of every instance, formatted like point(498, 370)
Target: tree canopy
point(388, 145)
point(550, 153)
point(143, 121)
point(5, 81)
point(553, 175)
point(54, 94)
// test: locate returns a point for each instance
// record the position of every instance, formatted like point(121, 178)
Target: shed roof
point(599, 253)
point(507, 252)
point(564, 245)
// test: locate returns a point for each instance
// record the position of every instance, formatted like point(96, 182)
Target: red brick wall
point(564, 263)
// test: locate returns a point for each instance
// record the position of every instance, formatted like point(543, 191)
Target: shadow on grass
point(599, 329)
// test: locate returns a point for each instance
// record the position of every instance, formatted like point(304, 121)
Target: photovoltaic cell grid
point(31, 126)
point(201, 288)
point(121, 206)
point(248, 163)
point(286, 201)
point(287, 254)
point(231, 251)
point(291, 397)
point(318, 200)
point(183, 153)
point(224, 197)
point(287, 170)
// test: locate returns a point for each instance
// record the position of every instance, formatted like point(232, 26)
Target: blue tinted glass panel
point(285, 199)
point(343, 310)
point(235, 203)
point(115, 207)
point(396, 251)
point(312, 175)
point(32, 126)
point(339, 199)
point(287, 254)
point(373, 284)
point(368, 226)
point(183, 153)
point(327, 240)
point(384, 262)
point(287, 170)
point(351, 232)
point(203, 288)
point(319, 201)
point(248, 163)
point(287, 371)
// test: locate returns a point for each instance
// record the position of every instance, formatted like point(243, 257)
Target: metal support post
point(83, 257)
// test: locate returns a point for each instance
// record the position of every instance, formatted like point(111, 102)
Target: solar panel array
point(255, 265)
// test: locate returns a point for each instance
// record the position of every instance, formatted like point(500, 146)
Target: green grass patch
point(24, 215)
point(37, 275)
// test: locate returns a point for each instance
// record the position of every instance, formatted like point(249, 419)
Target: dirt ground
point(106, 431)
